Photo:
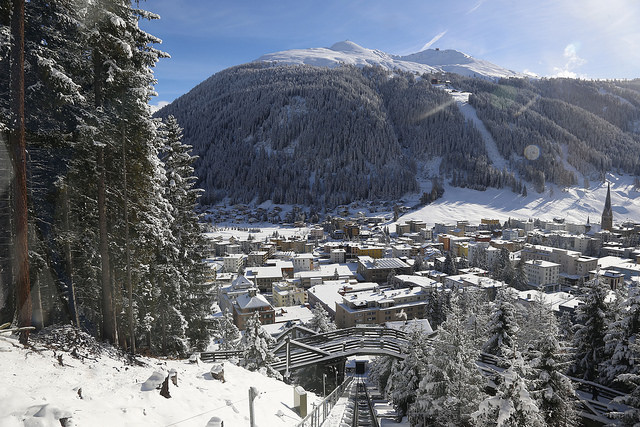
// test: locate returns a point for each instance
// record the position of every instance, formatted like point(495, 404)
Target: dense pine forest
point(324, 137)
point(114, 244)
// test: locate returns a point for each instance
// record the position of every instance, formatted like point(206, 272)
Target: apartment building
point(541, 273)
point(377, 307)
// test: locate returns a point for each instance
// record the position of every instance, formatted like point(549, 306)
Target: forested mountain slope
point(319, 136)
point(592, 126)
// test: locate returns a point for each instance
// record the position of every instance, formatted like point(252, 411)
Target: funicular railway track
point(359, 409)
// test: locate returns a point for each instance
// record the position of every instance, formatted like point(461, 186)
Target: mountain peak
point(347, 46)
point(426, 61)
point(439, 57)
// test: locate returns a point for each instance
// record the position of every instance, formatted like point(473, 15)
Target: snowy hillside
point(427, 61)
point(574, 204)
point(453, 61)
point(42, 385)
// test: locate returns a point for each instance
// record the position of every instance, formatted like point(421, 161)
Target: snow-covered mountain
point(426, 61)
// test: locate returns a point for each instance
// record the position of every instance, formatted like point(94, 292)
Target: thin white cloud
point(474, 8)
point(571, 54)
point(573, 61)
point(433, 40)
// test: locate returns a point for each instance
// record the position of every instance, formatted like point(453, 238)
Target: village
point(363, 272)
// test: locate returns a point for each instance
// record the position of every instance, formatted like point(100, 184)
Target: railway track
point(359, 411)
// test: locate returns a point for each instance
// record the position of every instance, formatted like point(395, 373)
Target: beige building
point(378, 307)
point(242, 299)
point(288, 293)
point(257, 258)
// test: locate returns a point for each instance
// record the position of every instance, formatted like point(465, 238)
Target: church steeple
point(607, 213)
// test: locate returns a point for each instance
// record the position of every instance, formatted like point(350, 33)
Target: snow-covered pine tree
point(320, 322)
point(621, 334)
point(519, 280)
point(405, 377)
point(449, 266)
point(182, 195)
point(437, 307)
point(380, 371)
point(502, 268)
point(630, 417)
point(226, 332)
point(452, 386)
point(512, 405)
point(255, 347)
point(502, 328)
point(590, 330)
point(548, 383)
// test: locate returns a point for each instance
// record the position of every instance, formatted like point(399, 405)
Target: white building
point(302, 262)
point(233, 263)
point(401, 251)
point(338, 256)
point(540, 273)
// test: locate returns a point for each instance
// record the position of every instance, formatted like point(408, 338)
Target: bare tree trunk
point(23, 285)
point(67, 255)
point(132, 329)
point(109, 328)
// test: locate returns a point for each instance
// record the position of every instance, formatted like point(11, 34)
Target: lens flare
point(532, 152)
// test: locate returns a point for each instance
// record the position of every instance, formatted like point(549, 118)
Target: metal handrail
point(320, 413)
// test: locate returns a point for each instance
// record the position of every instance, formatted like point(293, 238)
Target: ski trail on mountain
point(462, 100)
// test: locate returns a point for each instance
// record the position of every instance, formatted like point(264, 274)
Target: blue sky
point(573, 38)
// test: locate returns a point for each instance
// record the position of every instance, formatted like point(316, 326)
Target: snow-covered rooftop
point(246, 301)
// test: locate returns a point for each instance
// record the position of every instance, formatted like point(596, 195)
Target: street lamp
point(324, 388)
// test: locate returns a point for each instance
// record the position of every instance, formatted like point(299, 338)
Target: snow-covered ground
point(103, 390)
point(574, 204)
point(242, 231)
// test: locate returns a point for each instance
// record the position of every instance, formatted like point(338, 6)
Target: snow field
point(37, 391)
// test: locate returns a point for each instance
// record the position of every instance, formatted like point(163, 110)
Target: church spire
point(607, 213)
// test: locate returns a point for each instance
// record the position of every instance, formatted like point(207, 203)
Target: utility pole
point(18, 146)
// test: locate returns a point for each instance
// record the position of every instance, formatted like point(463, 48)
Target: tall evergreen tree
point(452, 386)
point(450, 265)
point(519, 280)
point(512, 404)
point(502, 328)
point(631, 416)
point(590, 330)
point(227, 333)
point(621, 334)
point(405, 377)
point(188, 255)
point(255, 344)
point(549, 385)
